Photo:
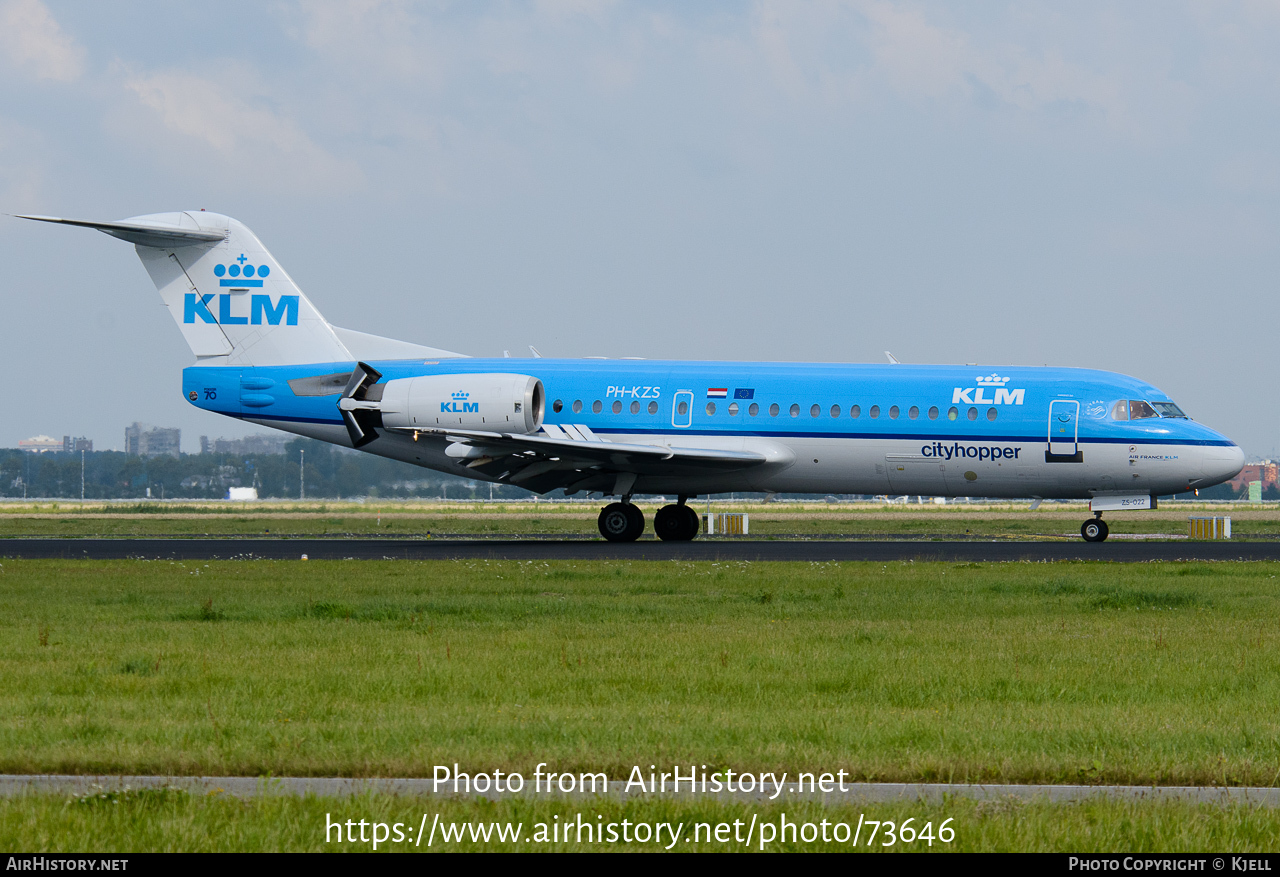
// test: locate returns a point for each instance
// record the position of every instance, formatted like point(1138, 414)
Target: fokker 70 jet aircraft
point(624, 427)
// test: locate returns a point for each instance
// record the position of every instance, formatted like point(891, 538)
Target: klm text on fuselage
point(978, 396)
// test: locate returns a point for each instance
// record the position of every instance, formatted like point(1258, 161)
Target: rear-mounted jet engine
point(483, 402)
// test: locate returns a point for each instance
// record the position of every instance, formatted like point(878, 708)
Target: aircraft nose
point(1222, 462)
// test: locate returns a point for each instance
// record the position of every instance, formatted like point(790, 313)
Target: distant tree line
point(331, 472)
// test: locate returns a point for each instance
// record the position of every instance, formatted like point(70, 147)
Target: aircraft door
point(914, 473)
point(1064, 432)
point(682, 409)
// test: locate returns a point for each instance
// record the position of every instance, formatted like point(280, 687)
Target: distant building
point(40, 444)
point(263, 443)
point(142, 440)
point(76, 445)
point(1267, 472)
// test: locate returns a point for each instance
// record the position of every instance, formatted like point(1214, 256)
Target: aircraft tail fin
point(233, 302)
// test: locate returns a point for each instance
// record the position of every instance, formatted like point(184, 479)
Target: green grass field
point(1028, 673)
point(1154, 673)
point(770, 521)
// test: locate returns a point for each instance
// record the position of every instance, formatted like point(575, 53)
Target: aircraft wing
point(574, 455)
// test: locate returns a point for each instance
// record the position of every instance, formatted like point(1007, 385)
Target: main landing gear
point(623, 522)
point(1095, 530)
point(676, 523)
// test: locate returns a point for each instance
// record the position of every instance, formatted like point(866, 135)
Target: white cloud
point(596, 10)
point(924, 59)
point(386, 37)
point(21, 168)
point(244, 135)
point(32, 41)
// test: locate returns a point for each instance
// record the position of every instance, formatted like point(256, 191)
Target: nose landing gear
point(1095, 530)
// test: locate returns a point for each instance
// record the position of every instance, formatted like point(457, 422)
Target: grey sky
point(1072, 184)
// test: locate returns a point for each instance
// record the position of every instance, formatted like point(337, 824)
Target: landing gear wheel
point(1094, 530)
point(621, 522)
point(692, 518)
point(675, 523)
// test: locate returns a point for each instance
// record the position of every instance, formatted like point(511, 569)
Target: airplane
point(624, 427)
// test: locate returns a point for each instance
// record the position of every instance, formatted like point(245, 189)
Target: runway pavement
point(241, 548)
point(342, 787)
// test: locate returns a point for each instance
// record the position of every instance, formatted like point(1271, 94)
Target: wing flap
point(613, 456)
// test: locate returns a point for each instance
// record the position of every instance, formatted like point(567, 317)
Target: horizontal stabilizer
point(143, 234)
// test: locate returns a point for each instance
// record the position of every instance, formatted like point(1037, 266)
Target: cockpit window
point(1139, 410)
point(1168, 409)
point(1136, 409)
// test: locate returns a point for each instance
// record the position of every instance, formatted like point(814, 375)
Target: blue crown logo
point(461, 396)
point(239, 274)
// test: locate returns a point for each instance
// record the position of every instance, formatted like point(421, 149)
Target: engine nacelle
point(487, 402)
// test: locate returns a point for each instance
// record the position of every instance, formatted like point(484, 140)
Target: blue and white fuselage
point(623, 427)
point(822, 428)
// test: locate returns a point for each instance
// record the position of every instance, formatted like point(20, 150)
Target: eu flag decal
point(744, 394)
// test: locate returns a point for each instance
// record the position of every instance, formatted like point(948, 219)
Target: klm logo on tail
point(459, 405)
point(241, 275)
point(196, 306)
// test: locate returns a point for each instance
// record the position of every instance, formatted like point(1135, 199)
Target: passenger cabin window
point(635, 407)
point(733, 409)
point(953, 414)
point(992, 414)
point(874, 412)
point(653, 407)
point(913, 412)
point(577, 405)
point(835, 410)
point(815, 411)
point(596, 406)
point(1168, 409)
point(893, 413)
point(682, 408)
point(973, 413)
point(754, 409)
point(795, 410)
point(855, 411)
point(557, 406)
point(711, 408)
point(773, 410)
point(1120, 410)
point(1139, 410)
point(933, 413)
point(617, 406)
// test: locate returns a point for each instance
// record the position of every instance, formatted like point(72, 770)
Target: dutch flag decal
point(717, 392)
